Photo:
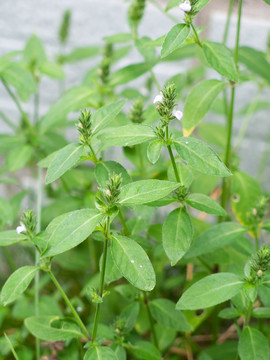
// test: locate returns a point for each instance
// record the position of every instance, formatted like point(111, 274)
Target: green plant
point(124, 259)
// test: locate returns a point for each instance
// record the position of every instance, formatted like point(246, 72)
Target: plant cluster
point(163, 258)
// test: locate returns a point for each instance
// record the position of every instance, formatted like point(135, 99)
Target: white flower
point(185, 6)
point(178, 114)
point(158, 98)
point(21, 228)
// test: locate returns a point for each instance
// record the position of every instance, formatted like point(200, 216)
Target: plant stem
point(196, 36)
point(176, 173)
point(37, 256)
point(93, 154)
point(102, 277)
point(7, 121)
point(228, 21)
point(123, 222)
point(13, 96)
point(11, 347)
point(231, 111)
point(67, 301)
point(151, 320)
point(248, 314)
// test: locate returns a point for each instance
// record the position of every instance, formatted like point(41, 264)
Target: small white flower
point(185, 6)
point(158, 98)
point(178, 114)
point(21, 228)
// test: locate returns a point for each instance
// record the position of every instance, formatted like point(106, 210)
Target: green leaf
point(153, 151)
point(21, 78)
point(216, 237)
point(18, 157)
point(17, 283)
point(203, 95)
point(146, 351)
point(100, 353)
point(52, 70)
point(174, 39)
point(253, 345)
point(255, 61)
point(144, 191)
point(34, 53)
point(200, 157)
point(246, 194)
point(267, 1)
point(133, 262)
point(72, 100)
point(64, 159)
point(69, 230)
point(209, 291)
point(118, 38)
point(129, 316)
point(126, 135)
point(103, 116)
point(104, 169)
point(220, 58)
point(205, 203)
point(172, 3)
point(177, 234)
point(10, 237)
point(199, 5)
point(80, 54)
point(6, 212)
point(52, 328)
point(164, 312)
point(261, 313)
point(128, 73)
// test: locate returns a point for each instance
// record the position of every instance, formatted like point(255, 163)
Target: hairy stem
point(93, 154)
point(67, 301)
point(123, 222)
point(102, 277)
point(176, 173)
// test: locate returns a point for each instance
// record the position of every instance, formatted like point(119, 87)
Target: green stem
point(228, 21)
point(154, 78)
point(123, 222)
point(102, 277)
point(13, 96)
point(93, 154)
point(176, 173)
point(151, 320)
point(11, 347)
point(134, 32)
point(248, 314)
point(37, 256)
point(231, 111)
point(7, 121)
point(67, 301)
point(196, 36)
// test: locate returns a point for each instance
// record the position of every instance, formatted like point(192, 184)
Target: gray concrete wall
point(94, 19)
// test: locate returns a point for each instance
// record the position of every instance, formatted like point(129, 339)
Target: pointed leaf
point(103, 116)
point(126, 135)
point(146, 351)
point(52, 328)
point(153, 151)
point(174, 39)
point(133, 262)
point(209, 291)
point(164, 312)
point(216, 237)
point(100, 353)
point(128, 73)
point(177, 234)
point(104, 169)
point(253, 345)
point(144, 191)
point(70, 230)
point(203, 95)
point(205, 203)
point(63, 160)
point(10, 237)
point(220, 58)
point(17, 283)
point(200, 157)
point(255, 61)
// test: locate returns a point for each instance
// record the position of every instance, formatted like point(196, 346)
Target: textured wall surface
point(94, 19)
